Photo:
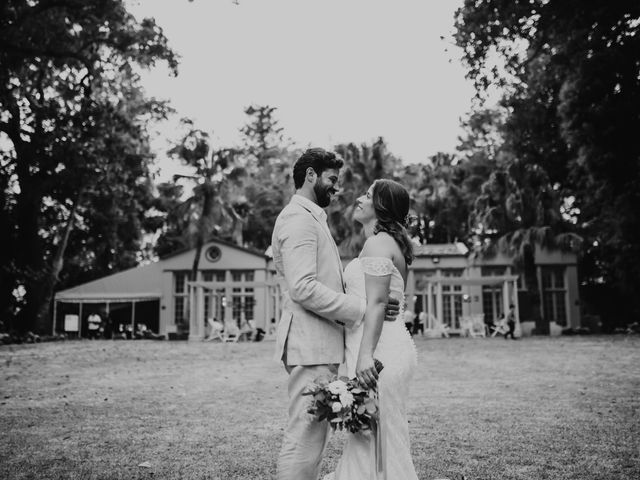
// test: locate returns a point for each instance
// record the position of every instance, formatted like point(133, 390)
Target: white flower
point(336, 407)
point(337, 387)
point(346, 399)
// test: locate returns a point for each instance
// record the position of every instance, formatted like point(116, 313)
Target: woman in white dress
point(381, 268)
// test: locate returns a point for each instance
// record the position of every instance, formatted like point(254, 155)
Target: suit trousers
point(304, 438)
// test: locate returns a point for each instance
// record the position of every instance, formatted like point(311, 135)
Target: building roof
point(138, 283)
point(441, 250)
point(219, 241)
point(135, 284)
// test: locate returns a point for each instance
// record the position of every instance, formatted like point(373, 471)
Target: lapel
point(325, 229)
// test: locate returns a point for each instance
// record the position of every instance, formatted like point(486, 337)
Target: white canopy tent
point(139, 284)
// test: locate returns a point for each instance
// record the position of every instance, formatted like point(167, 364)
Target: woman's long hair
point(391, 203)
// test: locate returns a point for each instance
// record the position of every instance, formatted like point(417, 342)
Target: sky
point(337, 71)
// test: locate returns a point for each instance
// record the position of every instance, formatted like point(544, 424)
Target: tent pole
point(109, 321)
point(505, 298)
point(80, 322)
point(439, 306)
point(133, 319)
point(55, 311)
point(430, 310)
point(517, 305)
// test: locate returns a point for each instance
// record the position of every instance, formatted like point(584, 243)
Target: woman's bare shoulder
point(379, 245)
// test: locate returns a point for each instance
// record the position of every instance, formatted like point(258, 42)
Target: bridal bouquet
point(344, 403)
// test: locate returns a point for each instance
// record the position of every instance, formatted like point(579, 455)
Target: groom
point(315, 309)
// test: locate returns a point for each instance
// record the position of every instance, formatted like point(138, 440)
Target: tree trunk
point(7, 265)
point(50, 281)
point(202, 232)
point(30, 255)
point(531, 281)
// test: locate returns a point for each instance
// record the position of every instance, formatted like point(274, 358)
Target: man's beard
point(322, 195)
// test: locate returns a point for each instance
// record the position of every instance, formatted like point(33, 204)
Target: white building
point(158, 295)
point(235, 284)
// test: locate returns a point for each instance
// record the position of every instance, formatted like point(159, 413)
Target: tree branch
point(43, 6)
point(12, 127)
point(45, 52)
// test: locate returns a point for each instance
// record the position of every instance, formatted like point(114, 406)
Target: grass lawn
point(537, 408)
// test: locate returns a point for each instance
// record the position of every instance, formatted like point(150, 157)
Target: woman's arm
point(377, 290)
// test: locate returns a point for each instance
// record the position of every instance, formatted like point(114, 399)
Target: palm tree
point(363, 165)
point(517, 210)
point(208, 210)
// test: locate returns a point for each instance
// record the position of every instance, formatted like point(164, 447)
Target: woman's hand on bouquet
point(366, 371)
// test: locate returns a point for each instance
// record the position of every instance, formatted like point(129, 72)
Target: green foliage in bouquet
point(344, 403)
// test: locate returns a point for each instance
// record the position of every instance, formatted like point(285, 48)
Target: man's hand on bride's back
point(392, 310)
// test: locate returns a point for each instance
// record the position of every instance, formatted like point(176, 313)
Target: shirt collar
point(312, 206)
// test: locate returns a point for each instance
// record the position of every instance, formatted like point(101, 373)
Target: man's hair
point(317, 158)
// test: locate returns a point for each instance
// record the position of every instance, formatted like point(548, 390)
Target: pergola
point(272, 290)
point(197, 289)
point(435, 283)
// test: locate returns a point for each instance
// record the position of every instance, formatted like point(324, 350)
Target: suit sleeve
point(299, 249)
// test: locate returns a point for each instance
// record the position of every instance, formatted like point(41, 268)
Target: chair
point(478, 328)
point(436, 327)
point(247, 330)
point(231, 332)
point(501, 328)
point(422, 322)
point(466, 326)
point(216, 330)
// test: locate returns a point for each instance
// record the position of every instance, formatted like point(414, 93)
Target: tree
point(442, 200)
point(518, 209)
point(571, 72)
point(444, 189)
point(362, 165)
point(62, 66)
point(268, 185)
point(168, 221)
point(263, 138)
point(208, 210)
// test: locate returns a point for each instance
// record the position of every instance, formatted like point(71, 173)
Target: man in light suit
point(315, 309)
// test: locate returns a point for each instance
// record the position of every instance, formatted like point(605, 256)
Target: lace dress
point(397, 352)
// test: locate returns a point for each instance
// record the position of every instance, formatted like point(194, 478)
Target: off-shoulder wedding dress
point(397, 352)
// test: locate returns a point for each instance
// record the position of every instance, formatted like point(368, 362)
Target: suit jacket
point(314, 305)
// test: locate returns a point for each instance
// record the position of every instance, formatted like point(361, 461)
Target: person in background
point(511, 322)
point(95, 323)
point(108, 325)
point(489, 324)
point(420, 323)
point(409, 316)
point(272, 327)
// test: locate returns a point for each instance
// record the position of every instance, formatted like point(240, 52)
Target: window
point(243, 299)
point(492, 302)
point(181, 298)
point(213, 275)
point(492, 294)
point(213, 304)
point(213, 254)
point(452, 272)
point(452, 299)
point(554, 294)
point(493, 271)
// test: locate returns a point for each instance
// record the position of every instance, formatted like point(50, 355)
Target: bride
point(381, 268)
